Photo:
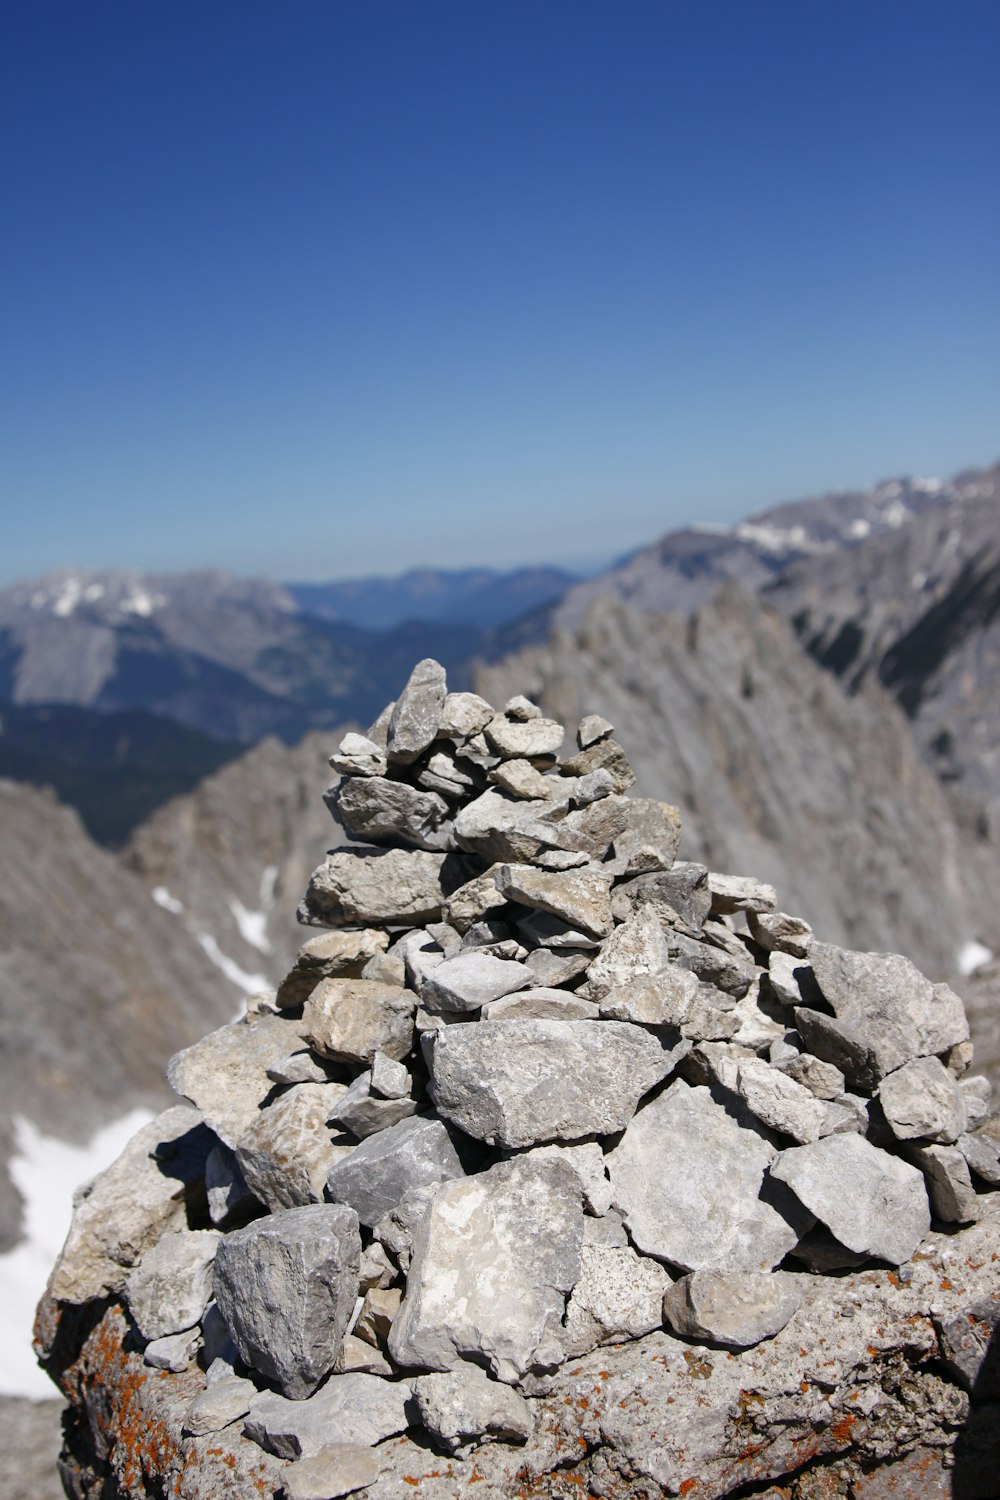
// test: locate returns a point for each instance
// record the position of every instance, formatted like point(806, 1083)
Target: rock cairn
point(555, 1165)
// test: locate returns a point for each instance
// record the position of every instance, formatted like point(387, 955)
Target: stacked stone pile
point(538, 1095)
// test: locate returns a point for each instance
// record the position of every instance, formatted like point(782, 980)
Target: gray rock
point(553, 968)
point(679, 897)
point(976, 1095)
point(225, 1074)
point(605, 756)
point(561, 859)
point(783, 971)
point(220, 1403)
point(471, 980)
point(357, 755)
point(394, 887)
point(982, 1153)
point(541, 1004)
point(390, 1080)
point(303, 1066)
point(820, 1078)
point(922, 1099)
point(887, 1005)
point(580, 898)
point(634, 950)
point(174, 1351)
point(949, 1186)
point(380, 1306)
point(649, 838)
point(286, 1286)
point(357, 1356)
point(229, 1198)
point(376, 1270)
point(218, 1349)
point(776, 929)
point(376, 810)
point(737, 1309)
point(726, 971)
point(519, 778)
point(338, 1469)
point(352, 1019)
point(415, 1153)
point(397, 1228)
point(363, 1112)
point(687, 1179)
point(968, 1347)
point(416, 717)
point(444, 775)
point(836, 1044)
point(663, 999)
point(709, 1018)
point(521, 708)
point(619, 1296)
point(465, 1406)
point(871, 1202)
point(361, 1409)
point(172, 1285)
point(733, 893)
point(287, 1151)
point(492, 1263)
point(329, 955)
point(463, 715)
point(587, 1161)
point(127, 1209)
point(593, 728)
point(471, 901)
point(503, 828)
point(523, 739)
point(543, 930)
point(496, 1080)
point(780, 1102)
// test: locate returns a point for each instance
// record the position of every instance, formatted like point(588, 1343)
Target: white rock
point(172, 1285)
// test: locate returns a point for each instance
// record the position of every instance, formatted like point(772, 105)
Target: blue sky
point(333, 287)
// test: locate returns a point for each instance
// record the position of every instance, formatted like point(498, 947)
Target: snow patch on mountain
point(252, 925)
point(163, 898)
point(249, 984)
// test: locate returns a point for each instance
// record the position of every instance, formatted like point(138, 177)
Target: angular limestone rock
point(492, 1263)
point(619, 1296)
point(737, 1309)
point(126, 1210)
point(464, 715)
point(378, 809)
point(776, 929)
point(663, 999)
point(286, 1286)
point(949, 1185)
point(172, 1285)
point(471, 980)
point(884, 1002)
point(285, 1154)
point(780, 1102)
point(329, 955)
point(225, 1074)
point(466, 1407)
point(392, 886)
point(363, 1112)
point(497, 1083)
point(377, 1174)
point(353, 1408)
point(416, 717)
point(580, 897)
point(352, 1019)
point(922, 1099)
point(635, 950)
point(687, 1179)
point(338, 1469)
point(733, 893)
point(359, 756)
point(523, 739)
point(220, 1403)
point(541, 1004)
point(870, 1201)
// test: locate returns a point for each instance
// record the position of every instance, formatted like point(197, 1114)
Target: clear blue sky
point(323, 287)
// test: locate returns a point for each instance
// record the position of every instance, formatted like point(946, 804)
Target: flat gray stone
point(870, 1201)
point(378, 809)
point(285, 1154)
point(357, 755)
point(733, 893)
point(471, 901)
point(679, 897)
point(519, 778)
point(579, 897)
point(663, 999)
point(968, 1348)
point(783, 972)
point(391, 887)
point(687, 1179)
point(541, 1004)
point(378, 1173)
point(353, 1408)
point(172, 1285)
point(492, 1262)
point(555, 967)
point(286, 1286)
point(389, 1078)
point(352, 1019)
point(174, 1351)
point(363, 1112)
point(735, 1308)
point(464, 1407)
point(542, 930)
point(605, 756)
point(523, 739)
point(416, 717)
point(497, 1080)
point(776, 929)
point(888, 1005)
point(471, 980)
point(727, 970)
point(593, 728)
point(338, 1469)
point(502, 828)
point(778, 1101)
point(619, 1296)
point(649, 838)
point(587, 1161)
point(982, 1153)
point(464, 715)
point(820, 1078)
point(220, 1403)
point(922, 1099)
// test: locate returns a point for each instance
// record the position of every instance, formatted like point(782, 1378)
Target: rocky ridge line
point(552, 1159)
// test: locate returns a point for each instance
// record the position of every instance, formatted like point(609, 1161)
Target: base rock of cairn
point(554, 1167)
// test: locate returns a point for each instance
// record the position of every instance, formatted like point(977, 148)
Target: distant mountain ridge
point(480, 597)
